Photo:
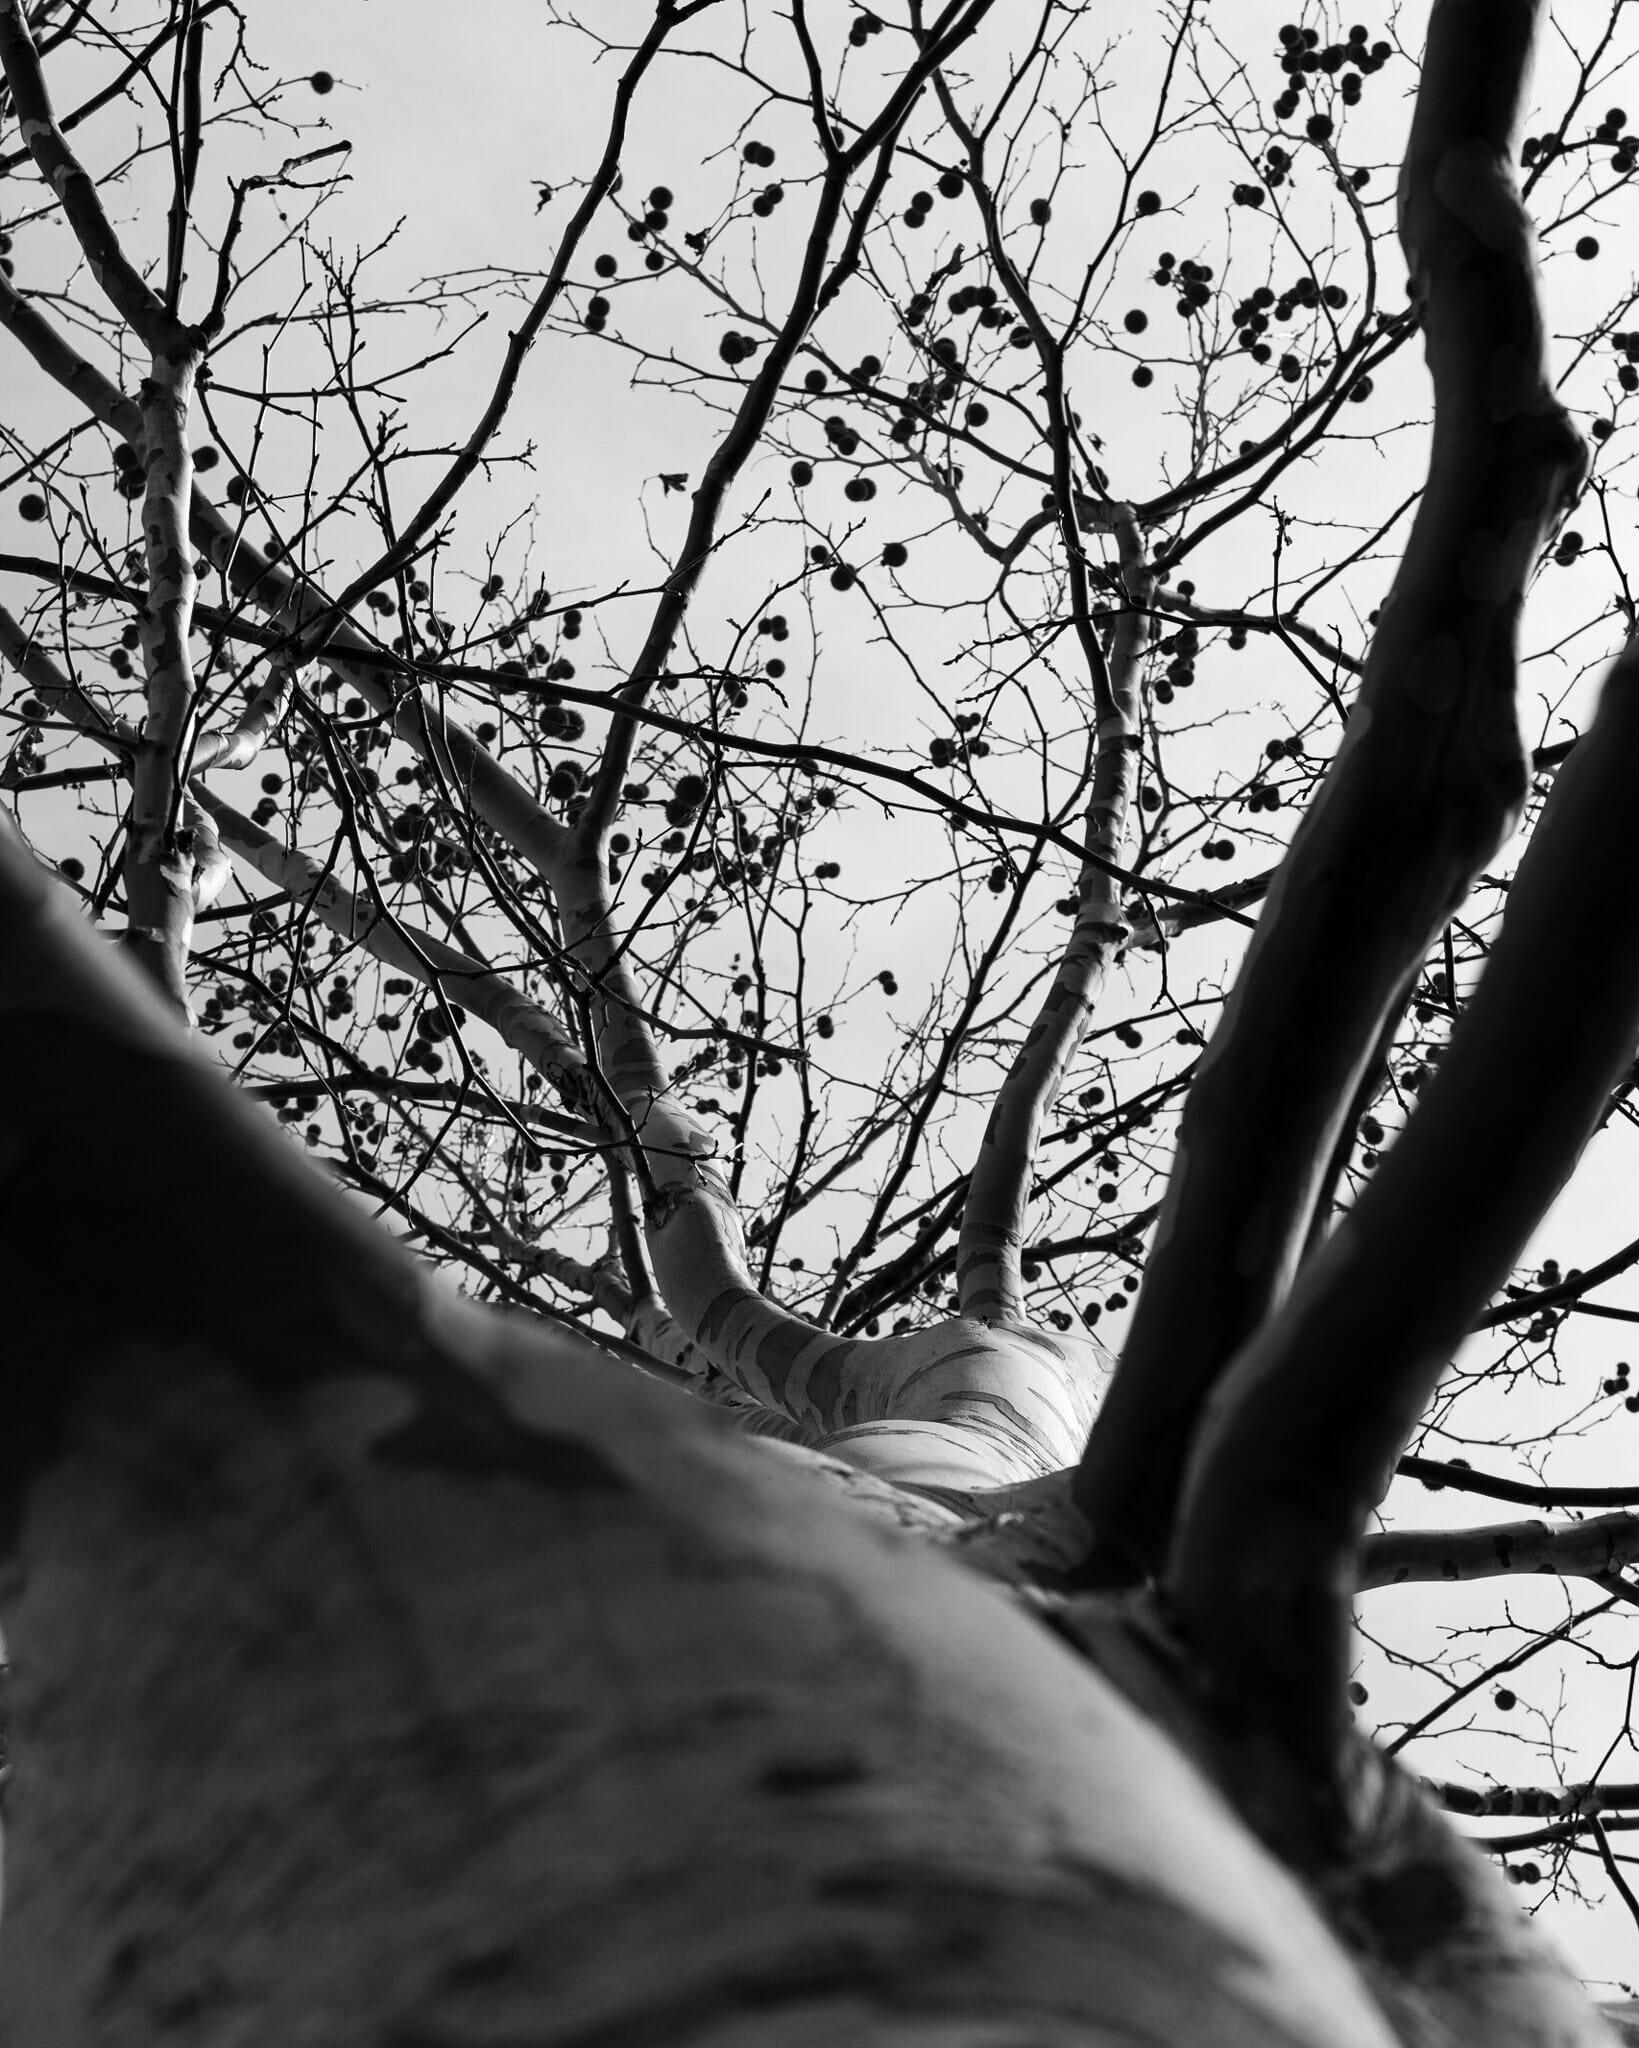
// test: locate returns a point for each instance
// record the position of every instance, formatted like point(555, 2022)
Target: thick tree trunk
point(349, 1706)
point(387, 1668)
point(320, 1743)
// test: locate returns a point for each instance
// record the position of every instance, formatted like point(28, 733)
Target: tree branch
point(1437, 1473)
point(1426, 786)
point(1494, 1802)
point(1583, 1550)
point(532, 1031)
point(115, 1087)
point(127, 290)
point(1308, 1425)
point(519, 343)
point(989, 1281)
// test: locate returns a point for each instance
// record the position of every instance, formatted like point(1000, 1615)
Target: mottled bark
point(387, 1667)
point(958, 1404)
point(1591, 1550)
point(1500, 1802)
point(316, 1742)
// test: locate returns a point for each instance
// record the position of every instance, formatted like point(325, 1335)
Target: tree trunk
point(320, 1741)
point(390, 1668)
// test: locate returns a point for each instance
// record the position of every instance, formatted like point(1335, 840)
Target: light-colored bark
point(319, 1746)
point(1500, 1802)
point(390, 1668)
point(1589, 1549)
point(162, 884)
point(534, 1032)
point(954, 1404)
point(989, 1259)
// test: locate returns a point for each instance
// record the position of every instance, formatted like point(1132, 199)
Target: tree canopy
point(742, 663)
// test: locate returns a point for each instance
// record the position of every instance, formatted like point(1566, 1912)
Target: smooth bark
point(1429, 781)
point(1590, 1549)
point(388, 1666)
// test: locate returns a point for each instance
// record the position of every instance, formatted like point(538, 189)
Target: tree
point(394, 1660)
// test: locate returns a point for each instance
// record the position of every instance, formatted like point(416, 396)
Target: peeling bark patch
point(1022, 1333)
point(777, 1355)
point(1012, 1425)
point(825, 1379)
point(788, 1777)
point(715, 1315)
point(948, 1358)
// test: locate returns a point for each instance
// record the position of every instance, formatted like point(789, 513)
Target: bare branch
point(989, 1278)
point(1586, 1550)
point(1320, 1402)
point(1430, 779)
point(128, 291)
